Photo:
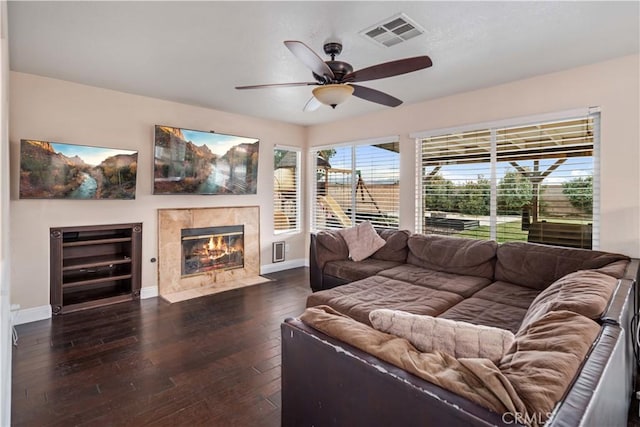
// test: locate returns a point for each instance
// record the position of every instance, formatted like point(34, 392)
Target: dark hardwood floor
point(210, 361)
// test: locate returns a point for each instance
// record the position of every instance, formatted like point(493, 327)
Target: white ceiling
point(197, 52)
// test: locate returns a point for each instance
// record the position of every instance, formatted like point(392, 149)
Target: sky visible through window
point(370, 161)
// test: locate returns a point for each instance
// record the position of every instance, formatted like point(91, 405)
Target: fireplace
point(212, 249)
point(191, 229)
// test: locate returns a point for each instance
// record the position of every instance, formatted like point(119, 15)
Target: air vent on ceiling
point(394, 30)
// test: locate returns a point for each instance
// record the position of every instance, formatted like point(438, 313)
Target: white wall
point(59, 111)
point(5, 321)
point(612, 85)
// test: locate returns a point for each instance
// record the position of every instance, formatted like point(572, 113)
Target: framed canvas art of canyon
point(189, 161)
point(52, 170)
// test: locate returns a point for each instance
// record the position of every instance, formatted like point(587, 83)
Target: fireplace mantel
point(172, 285)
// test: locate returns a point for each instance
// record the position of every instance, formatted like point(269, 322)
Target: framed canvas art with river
point(196, 162)
point(52, 170)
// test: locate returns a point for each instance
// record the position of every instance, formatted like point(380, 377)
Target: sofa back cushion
point(585, 292)
point(396, 247)
point(615, 269)
point(537, 266)
point(331, 246)
point(546, 356)
point(456, 255)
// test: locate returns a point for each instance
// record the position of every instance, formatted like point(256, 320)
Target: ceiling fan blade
point(375, 96)
point(312, 104)
point(389, 69)
point(278, 85)
point(309, 58)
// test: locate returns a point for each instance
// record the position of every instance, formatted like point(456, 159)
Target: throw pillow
point(458, 339)
point(362, 240)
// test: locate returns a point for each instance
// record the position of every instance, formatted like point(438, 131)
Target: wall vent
point(394, 30)
point(278, 252)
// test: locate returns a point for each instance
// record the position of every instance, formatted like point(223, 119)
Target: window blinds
point(356, 183)
point(286, 190)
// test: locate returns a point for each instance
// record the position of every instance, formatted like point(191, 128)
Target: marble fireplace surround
point(171, 286)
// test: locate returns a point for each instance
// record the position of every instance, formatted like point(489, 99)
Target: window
point(286, 190)
point(355, 183)
point(533, 182)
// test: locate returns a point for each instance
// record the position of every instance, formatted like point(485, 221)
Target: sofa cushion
point(359, 298)
point(456, 255)
point(429, 334)
point(545, 357)
point(584, 292)
point(489, 313)
point(508, 293)
point(362, 240)
point(459, 284)
point(352, 271)
point(395, 248)
point(537, 266)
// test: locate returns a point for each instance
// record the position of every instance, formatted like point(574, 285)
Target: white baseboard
point(148, 292)
point(33, 314)
point(284, 265)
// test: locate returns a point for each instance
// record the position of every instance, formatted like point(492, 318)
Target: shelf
point(95, 241)
point(94, 265)
point(94, 261)
point(95, 281)
point(84, 303)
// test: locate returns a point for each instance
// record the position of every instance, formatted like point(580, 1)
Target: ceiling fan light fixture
point(333, 94)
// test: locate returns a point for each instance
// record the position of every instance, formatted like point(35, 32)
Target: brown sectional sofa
point(475, 281)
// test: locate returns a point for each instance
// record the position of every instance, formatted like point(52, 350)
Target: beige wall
point(5, 323)
point(54, 110)
point(43, 108)
point(612, 85)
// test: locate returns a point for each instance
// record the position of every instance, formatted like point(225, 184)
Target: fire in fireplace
point(212, 248)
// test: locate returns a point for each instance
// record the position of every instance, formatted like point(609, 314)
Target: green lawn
point(507, 232)
point(510, 231)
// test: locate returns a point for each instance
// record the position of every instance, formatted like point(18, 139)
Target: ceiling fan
point(335, 78)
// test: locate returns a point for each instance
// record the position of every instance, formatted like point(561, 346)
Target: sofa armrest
point(600, 394)
point(327, 382)
point(325, 246)
point(315, 271)
point(633, 270)
point(620, 307)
